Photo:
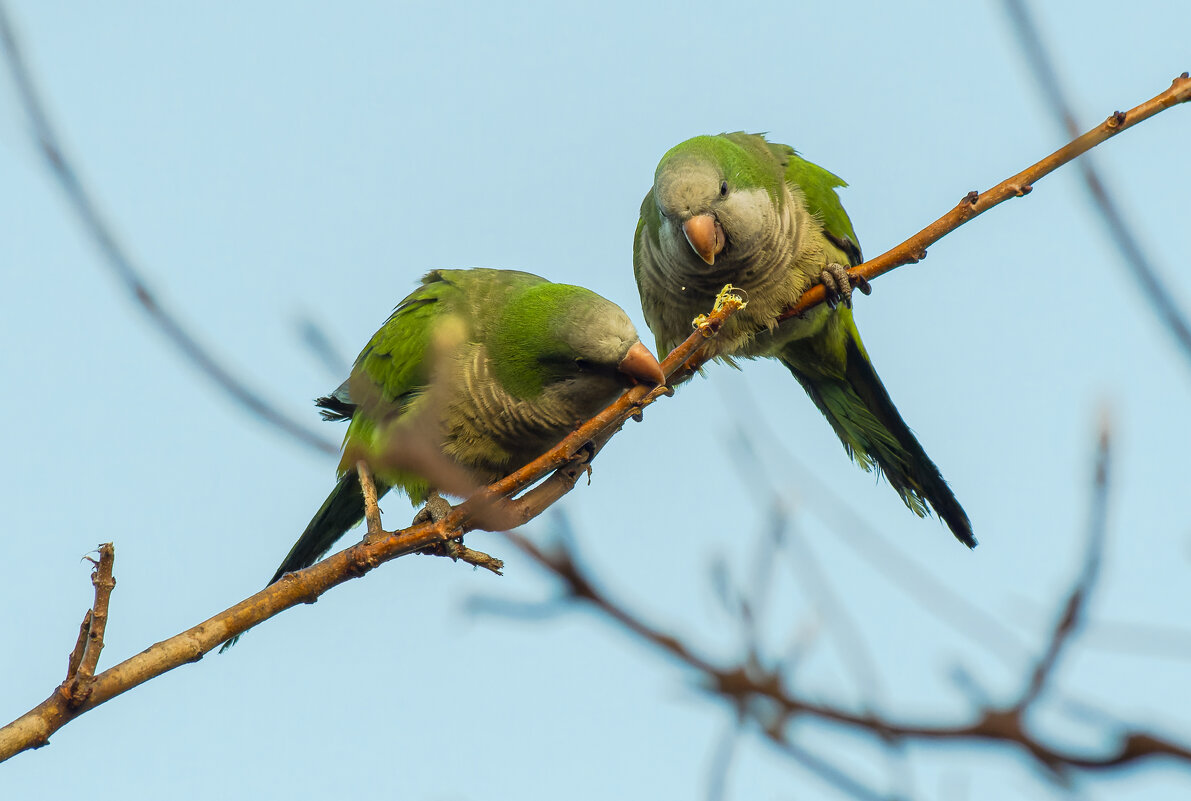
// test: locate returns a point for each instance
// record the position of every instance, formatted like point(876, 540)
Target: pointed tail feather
point(872, 431)
point(342, 510)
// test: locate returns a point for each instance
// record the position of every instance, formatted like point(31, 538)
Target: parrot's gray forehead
point(601, 332)
point(684, 185)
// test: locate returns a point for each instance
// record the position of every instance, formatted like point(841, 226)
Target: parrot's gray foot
point(436, 509)
point(838, 283)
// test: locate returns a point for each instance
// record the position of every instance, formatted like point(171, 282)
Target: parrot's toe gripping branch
point(436, 509)
point(838, 284)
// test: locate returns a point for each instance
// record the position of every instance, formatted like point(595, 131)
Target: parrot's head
point(718, 203)
point(570, 344)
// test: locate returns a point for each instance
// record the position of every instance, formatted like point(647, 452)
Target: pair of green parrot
point(531, 359)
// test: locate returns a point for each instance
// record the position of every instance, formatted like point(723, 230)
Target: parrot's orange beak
point(706, 236)
point(640, 365)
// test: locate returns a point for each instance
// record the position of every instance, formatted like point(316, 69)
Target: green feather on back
point(818, 189)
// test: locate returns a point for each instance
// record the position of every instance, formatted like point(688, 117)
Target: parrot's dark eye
point(723, 189)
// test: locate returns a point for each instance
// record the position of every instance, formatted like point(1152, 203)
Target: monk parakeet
point(525, 361)
point(737, 209)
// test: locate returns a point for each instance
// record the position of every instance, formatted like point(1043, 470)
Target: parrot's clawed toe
point(836, 281)
point(436, 509)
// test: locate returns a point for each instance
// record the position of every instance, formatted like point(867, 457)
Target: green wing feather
point(818, 188)
point(394, 360)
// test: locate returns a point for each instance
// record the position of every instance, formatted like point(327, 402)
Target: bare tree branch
point(720, 763)
point(85, 656)
point(975, 203)
point(919, 584)
point(33, 729)
point(1152, 287)
point(320, 345)
point(121, 264)
point(371, 508)
point(829, 773)
point(1075, 609)
point(745, 683)
point(80, 646)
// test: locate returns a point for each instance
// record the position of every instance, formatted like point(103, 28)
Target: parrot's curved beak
point(705, 235)
point(640, 365)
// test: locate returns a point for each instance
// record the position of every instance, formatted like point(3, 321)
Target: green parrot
point(735, 208)
point(524, 362)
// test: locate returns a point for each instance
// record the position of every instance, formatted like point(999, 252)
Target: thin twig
point(829, 773)
point(744, 683)
point(720, 763)
point(579, 587)
point(80, 647)
point(461, 553)
point(1128, 244)
point(811, 578)
point(371, 509)
point(120, 262)
point(921, 585)
point(975, 203)
point(844, 631)
point(319, 343)
point(85, 656)
point(1075, 608)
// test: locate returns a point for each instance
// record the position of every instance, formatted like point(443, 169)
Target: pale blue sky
point(270, 162)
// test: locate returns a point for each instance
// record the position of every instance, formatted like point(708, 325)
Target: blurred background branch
point(1156, 291)
point(763, 692)
point(116, 257)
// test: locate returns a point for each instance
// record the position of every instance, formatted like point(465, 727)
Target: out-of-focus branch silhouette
point(316, 340)
point(761, 692)
point(121, 264)
point(918, 583)
point(1153, 288)
point(1074, 612)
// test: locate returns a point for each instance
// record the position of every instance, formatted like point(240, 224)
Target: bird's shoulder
point(818, 189)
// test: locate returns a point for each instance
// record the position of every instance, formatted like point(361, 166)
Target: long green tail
point(342, 510)
point(847, 390)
